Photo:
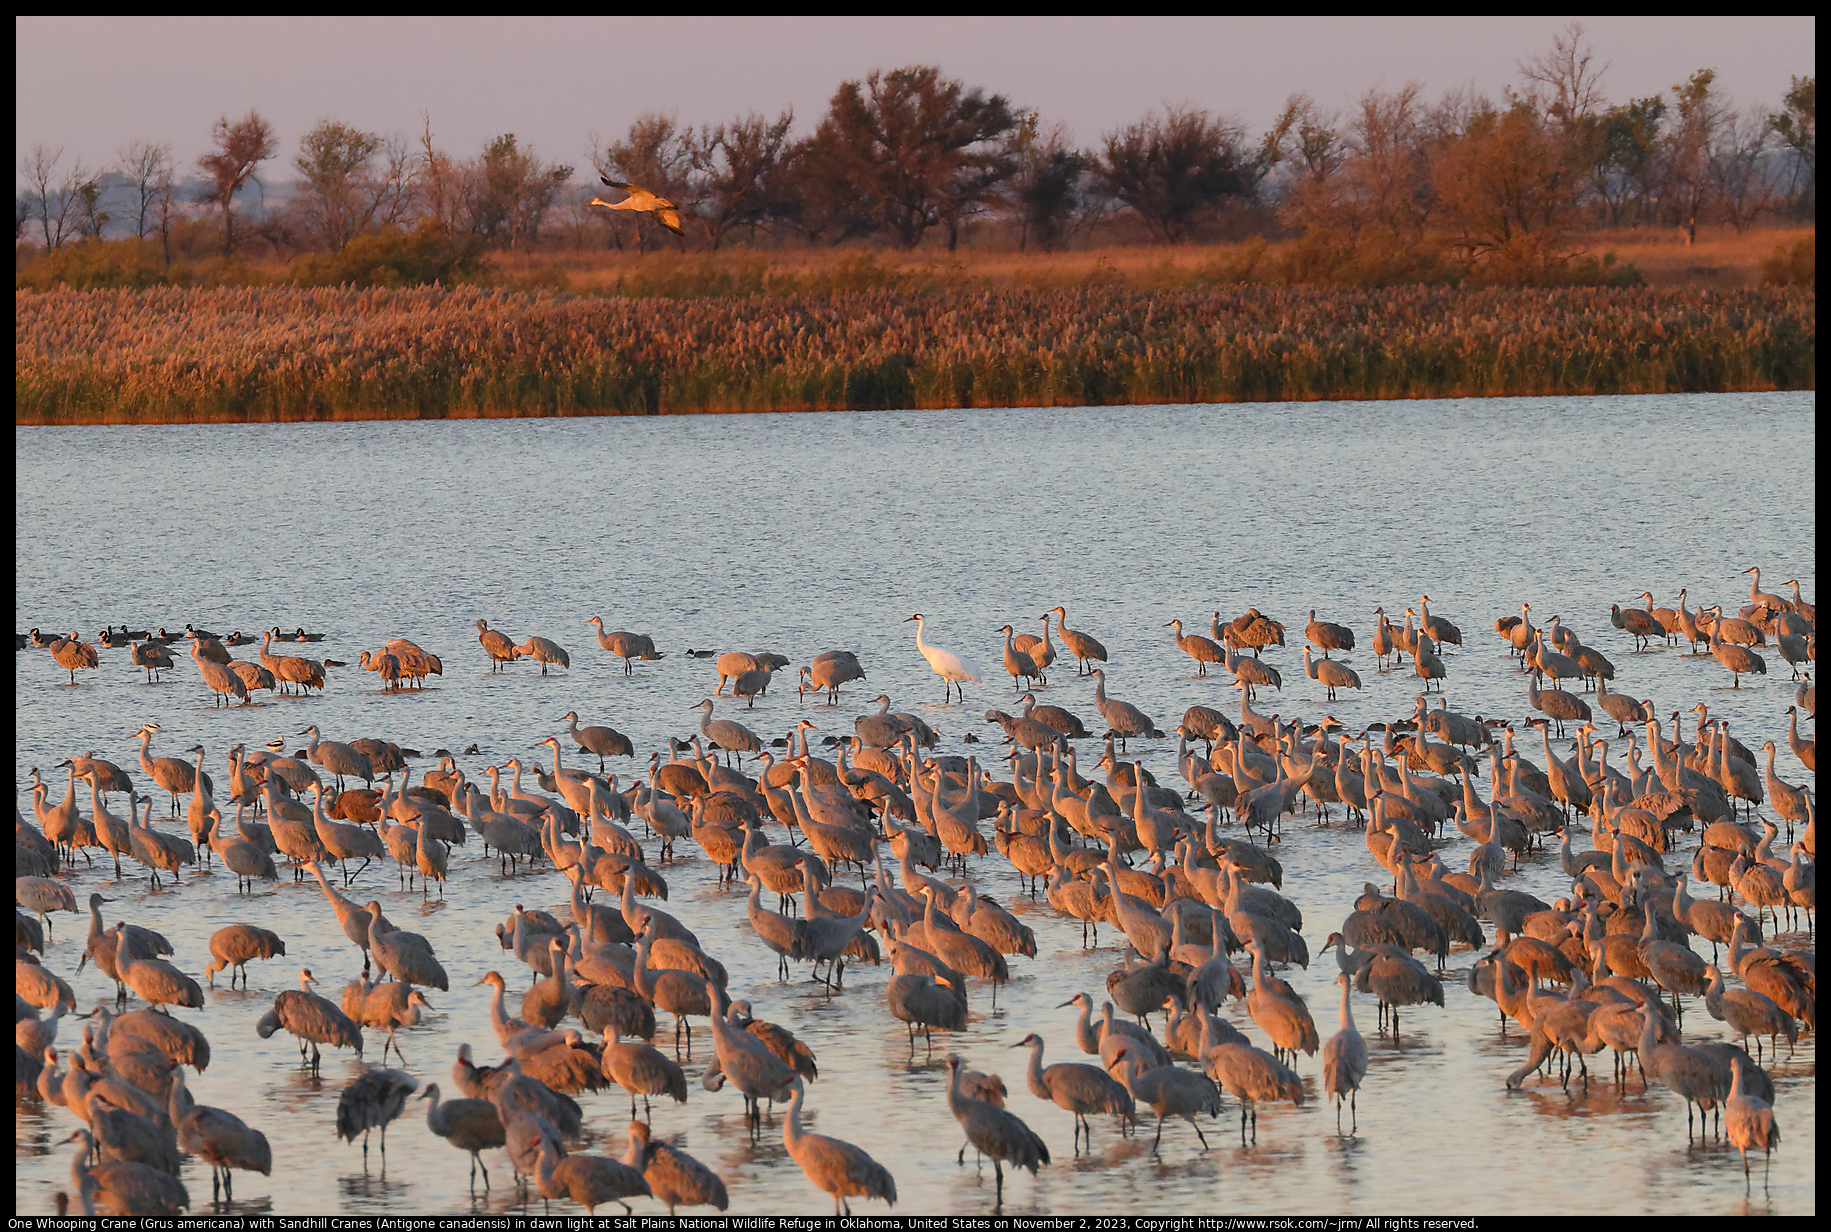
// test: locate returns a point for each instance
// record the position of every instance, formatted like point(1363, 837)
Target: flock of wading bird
point(1607, 966)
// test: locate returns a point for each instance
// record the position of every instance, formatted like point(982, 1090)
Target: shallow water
point(804, 533)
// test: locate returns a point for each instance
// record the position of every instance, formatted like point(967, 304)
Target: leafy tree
point(91, 218)
point(340, 191)
point(912, 150)
point(515, 192)
point(1173, 168)
point(241, 147)
point(1502, 186)
point(1797, 130)
point(1046, 182)
point(1618, 147)
point(1699, 114)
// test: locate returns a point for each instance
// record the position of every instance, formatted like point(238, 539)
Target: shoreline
point(464, 414)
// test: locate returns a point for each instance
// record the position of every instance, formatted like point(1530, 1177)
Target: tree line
point(903, 156)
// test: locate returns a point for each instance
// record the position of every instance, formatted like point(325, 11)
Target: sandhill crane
point(339, 759)
point(731, 737)
point(402, 955)
point(1249, 673)
point(1561, 705)
point(1344, 1061)
point(471, 1125)
point(1330, 675)
point(497, 645)
point(304, 673)
point(1203, 650)
point(603, 741)
point(1168, 1090)
point(1740, 660)
point(1078, 1088)
point(153, 657)
point(625, 646)
point(41, 894)
point(121, 1187)
point(1640, 623)
point(589, 1180)
point(311, 1019)
point(680, 993)
point(642, 1070)
point(1250, 1076)
point(237, 945)
point(1085, 649)
point(926, 1001)
point(1123, 718)
point(1328, 636)
point(642, 201)
point(673, 1177)
point(828, 671)
point(157, 982)
point(1749, 1013)
point(220, 1138)
point(1750, 1123)
point(544, 652)
point(1385, 642)
point(175, 776)
point(72, 654)
point(1285, 1020)
point(839, 1168)
point(223, 683)
point(373, 1101)
point(993, 1132)
point(389, 1006)
point(1018, 663)
point(1687, 1072)
point(953, 669)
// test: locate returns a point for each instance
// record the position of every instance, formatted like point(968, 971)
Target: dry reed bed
point(173, 355)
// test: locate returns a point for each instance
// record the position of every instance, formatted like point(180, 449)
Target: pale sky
point(92, 84)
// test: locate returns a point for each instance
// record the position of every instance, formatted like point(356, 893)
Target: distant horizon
point(554, 82)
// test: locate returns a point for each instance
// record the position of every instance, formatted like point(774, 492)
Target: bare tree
point(1570, 77)
point(241, 147)
point(441, 190)
point(736, 166)
point(145, 165)
point(1740, 175)
point(1389, 172)
point(53, 197)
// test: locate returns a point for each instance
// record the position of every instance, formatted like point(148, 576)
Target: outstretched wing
point(614, 183)
point(670, 219)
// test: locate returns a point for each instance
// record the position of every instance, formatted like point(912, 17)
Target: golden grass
point(1720, 259)
point(272, 353)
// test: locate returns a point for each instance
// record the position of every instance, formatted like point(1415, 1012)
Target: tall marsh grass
point(271, 353)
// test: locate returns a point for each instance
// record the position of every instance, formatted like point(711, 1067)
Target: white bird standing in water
point(951, 667)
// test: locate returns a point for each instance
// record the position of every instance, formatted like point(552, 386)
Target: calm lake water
point(802, 533)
